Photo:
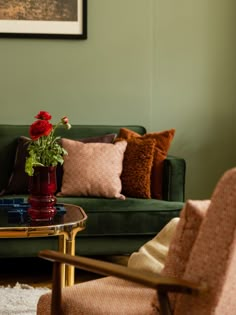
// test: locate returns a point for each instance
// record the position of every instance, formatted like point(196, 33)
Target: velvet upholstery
point(18, 181)
point(163, 141)
point(137, 168)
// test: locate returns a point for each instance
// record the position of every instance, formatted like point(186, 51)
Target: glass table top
point(14, 216)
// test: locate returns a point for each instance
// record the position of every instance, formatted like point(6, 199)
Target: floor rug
point(21, 299)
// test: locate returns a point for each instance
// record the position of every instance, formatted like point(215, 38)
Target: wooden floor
point(37, 272)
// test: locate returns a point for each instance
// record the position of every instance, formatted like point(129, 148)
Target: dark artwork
point(39, 10)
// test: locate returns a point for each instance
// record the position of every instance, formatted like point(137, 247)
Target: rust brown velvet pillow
point(137, 166)
point(162, 144)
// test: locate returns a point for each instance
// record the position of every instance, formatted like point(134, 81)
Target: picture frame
point(58, 19)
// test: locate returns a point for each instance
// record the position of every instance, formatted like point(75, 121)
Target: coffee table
point(66, 224)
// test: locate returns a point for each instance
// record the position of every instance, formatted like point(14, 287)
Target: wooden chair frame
point(163, 285)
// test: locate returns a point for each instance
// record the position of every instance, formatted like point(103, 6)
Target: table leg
point(67, 246)
point(62, 249)
point(69, 269)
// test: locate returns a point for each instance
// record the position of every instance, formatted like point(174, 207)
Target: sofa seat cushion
point(125, 217)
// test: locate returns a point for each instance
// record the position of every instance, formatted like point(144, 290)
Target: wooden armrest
point(105, 268)
point(162, 284)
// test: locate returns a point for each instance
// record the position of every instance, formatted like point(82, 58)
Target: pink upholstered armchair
point(199, 277)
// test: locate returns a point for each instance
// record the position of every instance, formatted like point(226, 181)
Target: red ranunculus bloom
point(43, 115)
point(44, 148)
point(65, 120)
point(40, 128)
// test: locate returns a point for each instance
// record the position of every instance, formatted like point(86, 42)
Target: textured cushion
point(105, 296)
point(124, 220)
point(162, 143)
point(213, 256)
point(92, 169)
point(187, 230)
point(108, 138)
point(19, 179)
point(191, 218)
point(137, 166)
point(152, 255)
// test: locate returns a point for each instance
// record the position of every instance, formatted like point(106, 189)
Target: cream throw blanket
point(151, 256)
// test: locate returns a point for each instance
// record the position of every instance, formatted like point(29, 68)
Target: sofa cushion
point(92, 169)
point(132, 216)
point(162, 143)
point(19, 179)
point(137, 166)
point(114, 226)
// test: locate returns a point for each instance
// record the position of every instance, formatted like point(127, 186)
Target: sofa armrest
point(174, 179)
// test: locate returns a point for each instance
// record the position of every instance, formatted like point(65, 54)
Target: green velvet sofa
point(114, 227)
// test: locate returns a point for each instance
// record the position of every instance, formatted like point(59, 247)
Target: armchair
point(203, 282)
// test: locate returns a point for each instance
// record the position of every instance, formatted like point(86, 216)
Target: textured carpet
point(20, 300)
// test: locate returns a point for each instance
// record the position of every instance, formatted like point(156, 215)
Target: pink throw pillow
point(92, 169)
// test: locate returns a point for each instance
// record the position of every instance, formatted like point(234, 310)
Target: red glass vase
point(42, 187)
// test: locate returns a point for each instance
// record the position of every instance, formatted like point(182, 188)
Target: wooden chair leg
point(163, 298)
point(56, 307)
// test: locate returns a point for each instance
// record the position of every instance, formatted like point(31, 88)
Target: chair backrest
point(213, 256)
point(191, 218)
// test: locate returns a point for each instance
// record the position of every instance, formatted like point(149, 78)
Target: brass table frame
point(66, 233)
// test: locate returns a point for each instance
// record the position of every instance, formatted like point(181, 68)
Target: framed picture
point(43, 19)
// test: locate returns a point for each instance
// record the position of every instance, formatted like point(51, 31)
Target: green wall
point(158, 63)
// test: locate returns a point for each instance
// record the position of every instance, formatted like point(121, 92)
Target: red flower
point(65, 120)
point(40, 128)
point(43, 115)
point(44, 148)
